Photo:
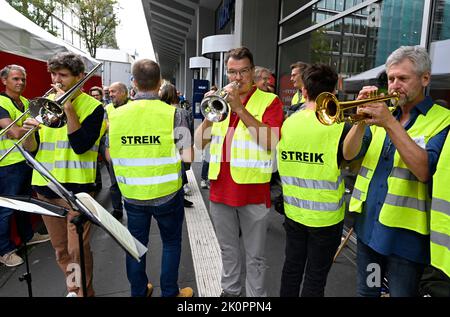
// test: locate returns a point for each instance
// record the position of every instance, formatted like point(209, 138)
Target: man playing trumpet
point(240, 168)
point(391, 194)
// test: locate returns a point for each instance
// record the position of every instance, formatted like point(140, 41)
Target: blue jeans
point(205, 169)
point(403, 275)
point(15, 179)
point(169, 217)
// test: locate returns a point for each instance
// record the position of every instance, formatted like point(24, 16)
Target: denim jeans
point(309, 251)
point(116, 195)
point(403, 275)
point(169, 217)
point(15, 179)
point(205, 169)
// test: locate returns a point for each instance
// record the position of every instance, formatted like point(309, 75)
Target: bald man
point(118, 92)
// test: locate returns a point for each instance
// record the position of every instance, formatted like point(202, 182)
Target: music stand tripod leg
point(79, 221)
point(343, 244)
point(21, 229)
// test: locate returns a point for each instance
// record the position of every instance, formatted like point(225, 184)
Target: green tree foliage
point(38, 11)
point(97, 19)
point(98, 23)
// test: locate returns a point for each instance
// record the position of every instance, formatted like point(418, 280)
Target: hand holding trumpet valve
point(377, 113)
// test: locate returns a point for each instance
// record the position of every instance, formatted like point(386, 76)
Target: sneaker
point(149, 290)
point(118, 214)
point(186, 292)
point(204, 184)
point(226, 294)
point(11, 259)
point(72, 294)
point(39, 238)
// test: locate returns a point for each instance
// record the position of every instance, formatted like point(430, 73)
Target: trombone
point(215, 107)
point(47, 112)
point(330, 110)
point(5, 130)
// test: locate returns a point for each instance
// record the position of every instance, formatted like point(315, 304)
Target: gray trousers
point(253, 222)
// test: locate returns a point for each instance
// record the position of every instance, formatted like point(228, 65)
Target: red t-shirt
point(224, 190)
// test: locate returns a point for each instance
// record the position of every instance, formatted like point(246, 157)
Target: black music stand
point(30, 205)
point(102, 219)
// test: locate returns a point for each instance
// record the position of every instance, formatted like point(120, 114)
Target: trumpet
point(47, 112)
point(215, 107)
point(330, 110)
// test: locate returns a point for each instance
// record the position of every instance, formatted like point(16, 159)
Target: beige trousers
point(64, 239)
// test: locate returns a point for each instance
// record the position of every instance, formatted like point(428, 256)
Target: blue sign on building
point(200, 87)
point(225, 13)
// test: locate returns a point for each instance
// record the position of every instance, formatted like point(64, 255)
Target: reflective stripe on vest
point(249, 162)
point(440, 213)
point(145, 171)
point(5, 143)
point(313, 189)
point(407, 202)
point(55, 150)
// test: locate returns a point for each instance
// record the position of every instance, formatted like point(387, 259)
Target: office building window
point(357, 42)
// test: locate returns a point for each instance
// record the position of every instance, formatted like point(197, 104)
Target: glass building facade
point(354, 36)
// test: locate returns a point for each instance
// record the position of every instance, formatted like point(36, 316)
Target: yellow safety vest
point(145, 159)
point(407, 202)
point(296, 98)
point(249, 163)
point(14, 156)
point(440, 213)
point(313, 187)
point(56, 154)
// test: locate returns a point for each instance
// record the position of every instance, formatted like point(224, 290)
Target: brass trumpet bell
point(215, 107)
point(330, 110)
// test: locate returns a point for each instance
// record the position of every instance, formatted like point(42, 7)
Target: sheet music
point(113, 226)
point(27, 207)
point(92, 209)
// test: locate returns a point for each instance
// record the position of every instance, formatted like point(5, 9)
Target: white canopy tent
point(19, 35)
point(440, 70)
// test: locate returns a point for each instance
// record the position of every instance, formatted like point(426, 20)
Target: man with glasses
point(240, 168)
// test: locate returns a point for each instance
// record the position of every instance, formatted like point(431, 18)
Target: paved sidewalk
point(109, 259)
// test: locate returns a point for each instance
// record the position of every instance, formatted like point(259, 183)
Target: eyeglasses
point(243, 72)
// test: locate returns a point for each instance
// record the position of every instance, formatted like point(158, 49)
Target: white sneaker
point(38, 238)
point(11, 259)
point(72, 294)
point(204, 184)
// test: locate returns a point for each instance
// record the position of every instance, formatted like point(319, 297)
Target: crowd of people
point(400, 200)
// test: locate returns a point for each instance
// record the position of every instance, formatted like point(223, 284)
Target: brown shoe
point(186, 292)
point(149, 290)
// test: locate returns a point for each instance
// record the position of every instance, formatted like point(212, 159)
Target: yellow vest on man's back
point(313, 188)
point(145, 159)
